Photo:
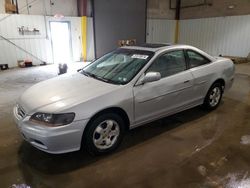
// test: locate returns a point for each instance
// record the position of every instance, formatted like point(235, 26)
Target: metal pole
point(178, 9)
point(177, 18)
point(45, 19)
point(17, 11)
point(27, 4)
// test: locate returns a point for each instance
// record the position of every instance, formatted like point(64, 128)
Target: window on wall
point(169, 63)
point(195, 59)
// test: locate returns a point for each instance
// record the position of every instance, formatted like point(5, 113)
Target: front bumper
point(53, 140)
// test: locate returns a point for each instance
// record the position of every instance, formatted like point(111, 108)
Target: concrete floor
point(191, 149)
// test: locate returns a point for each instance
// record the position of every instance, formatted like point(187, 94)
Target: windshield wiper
point(84, 72)
point(96, 77)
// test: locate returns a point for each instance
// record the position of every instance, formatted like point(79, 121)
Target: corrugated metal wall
point(160, 30)
point(38, 45)
point(220, 35)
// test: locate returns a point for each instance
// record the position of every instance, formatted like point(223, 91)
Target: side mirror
point(151, 77)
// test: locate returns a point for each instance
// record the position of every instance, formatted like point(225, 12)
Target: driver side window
point(169, 63)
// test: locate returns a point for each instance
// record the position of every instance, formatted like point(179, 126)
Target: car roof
point(161, 47)
point(154, 47)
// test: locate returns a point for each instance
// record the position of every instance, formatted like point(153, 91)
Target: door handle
point(186, 81)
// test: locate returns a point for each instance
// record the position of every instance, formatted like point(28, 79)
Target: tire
point(213, 97)
point(104, 134)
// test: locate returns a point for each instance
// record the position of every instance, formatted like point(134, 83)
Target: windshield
point(119, 66)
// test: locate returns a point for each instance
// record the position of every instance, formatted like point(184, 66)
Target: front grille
point(20, 111)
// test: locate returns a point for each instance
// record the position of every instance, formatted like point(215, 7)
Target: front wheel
point(213, 97)
point(104, 134)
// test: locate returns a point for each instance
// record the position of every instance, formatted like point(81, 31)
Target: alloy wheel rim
point(106, 134)
point(214, 96)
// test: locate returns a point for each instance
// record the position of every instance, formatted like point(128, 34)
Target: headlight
point(53, 119)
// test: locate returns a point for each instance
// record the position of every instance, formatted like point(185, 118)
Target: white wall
point(38, 45)
point(65, 7)
point(220, 35)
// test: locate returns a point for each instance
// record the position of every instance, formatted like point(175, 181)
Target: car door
point(172, 92)
point(203, 71)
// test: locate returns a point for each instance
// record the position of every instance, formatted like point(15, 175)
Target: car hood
point(63, 92)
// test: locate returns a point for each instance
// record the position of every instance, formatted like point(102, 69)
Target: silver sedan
point(123, 89)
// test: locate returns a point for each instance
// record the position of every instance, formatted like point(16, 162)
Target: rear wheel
point(213, 97)
point(104, 134)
